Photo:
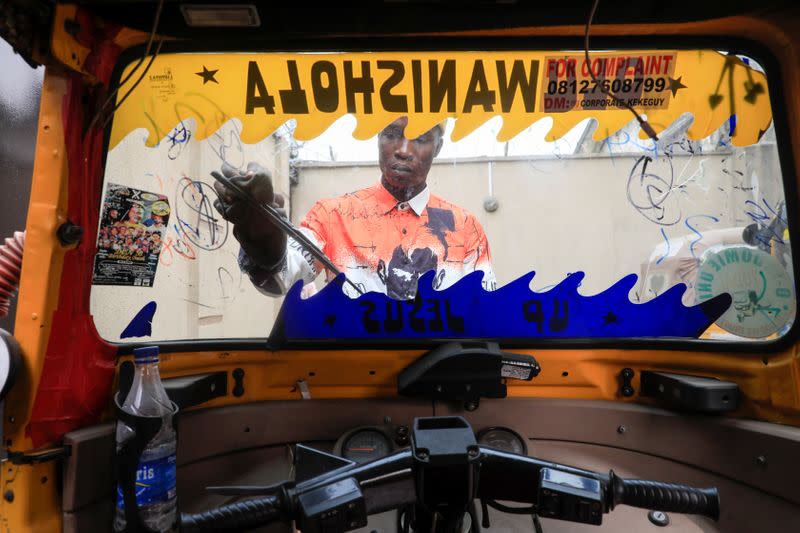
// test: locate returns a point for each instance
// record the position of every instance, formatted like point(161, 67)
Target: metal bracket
point(626, 387)
point(302, 386)
point(309, 462)
point(238, 379)
point(35, 457)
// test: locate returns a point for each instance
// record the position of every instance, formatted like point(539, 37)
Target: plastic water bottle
point(155, 476)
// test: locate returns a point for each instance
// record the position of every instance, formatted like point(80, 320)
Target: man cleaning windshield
point(382, 237)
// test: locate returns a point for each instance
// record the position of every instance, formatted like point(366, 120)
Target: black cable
point(403, 519)
point(474, 525)
point(537, 526)
point(144, 56)
point(648, 129)
point(511, 510)
point(135, 68)
point(399, 521)
point(88, 139)
point(485, 515)
point(133, 87)
point(114, 109)
point(531, 510)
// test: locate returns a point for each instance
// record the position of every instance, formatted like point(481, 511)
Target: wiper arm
point(273, 216)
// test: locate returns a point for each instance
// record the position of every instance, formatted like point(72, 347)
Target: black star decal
point(610, 318)
point(330, 320)
point(676, 85)
point(207, 75)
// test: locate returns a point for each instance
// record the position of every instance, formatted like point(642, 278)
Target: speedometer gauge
point(366, 445)
point(502, 439)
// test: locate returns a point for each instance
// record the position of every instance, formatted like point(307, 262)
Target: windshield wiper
point(273, 216)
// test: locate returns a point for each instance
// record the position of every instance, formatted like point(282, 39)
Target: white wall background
point(557, 216)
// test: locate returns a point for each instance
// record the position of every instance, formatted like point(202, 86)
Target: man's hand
point(261, 240)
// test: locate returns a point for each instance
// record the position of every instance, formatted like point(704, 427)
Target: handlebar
point(235, 516)
point(394, 482)
point(664, 496)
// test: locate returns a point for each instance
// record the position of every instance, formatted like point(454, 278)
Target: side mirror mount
point(465, 372)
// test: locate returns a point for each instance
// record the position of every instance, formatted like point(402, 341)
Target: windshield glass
point(237, 187)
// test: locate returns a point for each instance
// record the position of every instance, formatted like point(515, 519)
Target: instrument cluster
point(368, 443)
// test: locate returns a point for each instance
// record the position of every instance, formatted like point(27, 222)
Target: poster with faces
point(132, 229)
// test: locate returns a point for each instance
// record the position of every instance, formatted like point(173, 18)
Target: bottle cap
point(146, 354)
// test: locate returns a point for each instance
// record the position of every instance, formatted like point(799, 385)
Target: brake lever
point(368, 474)
point(555, 488)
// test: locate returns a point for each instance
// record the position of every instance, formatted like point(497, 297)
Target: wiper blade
point(273, 216)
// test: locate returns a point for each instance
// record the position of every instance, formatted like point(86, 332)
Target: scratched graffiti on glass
point(427, 237)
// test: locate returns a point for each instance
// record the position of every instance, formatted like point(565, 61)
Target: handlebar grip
point(234, 516)
point(660, 496)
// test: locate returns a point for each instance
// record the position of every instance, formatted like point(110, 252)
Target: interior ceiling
point(305, 20)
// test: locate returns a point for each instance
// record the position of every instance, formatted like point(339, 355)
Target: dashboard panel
point(251, 445)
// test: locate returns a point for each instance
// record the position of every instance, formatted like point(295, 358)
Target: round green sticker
point(763, 295)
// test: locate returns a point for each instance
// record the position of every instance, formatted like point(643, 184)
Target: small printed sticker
point(516, 370)
point(762, 290)
point(638, 80)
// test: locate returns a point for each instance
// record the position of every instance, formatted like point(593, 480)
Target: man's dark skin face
point(405, 163)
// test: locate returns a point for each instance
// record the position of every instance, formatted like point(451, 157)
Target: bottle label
point(155, 482)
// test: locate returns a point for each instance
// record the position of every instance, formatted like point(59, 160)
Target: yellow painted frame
point(36, 504)
point(770, 383)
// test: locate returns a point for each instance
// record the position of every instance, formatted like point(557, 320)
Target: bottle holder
point(128, 457)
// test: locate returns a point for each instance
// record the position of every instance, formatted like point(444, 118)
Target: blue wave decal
point(466, 310)
point(142, 323)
